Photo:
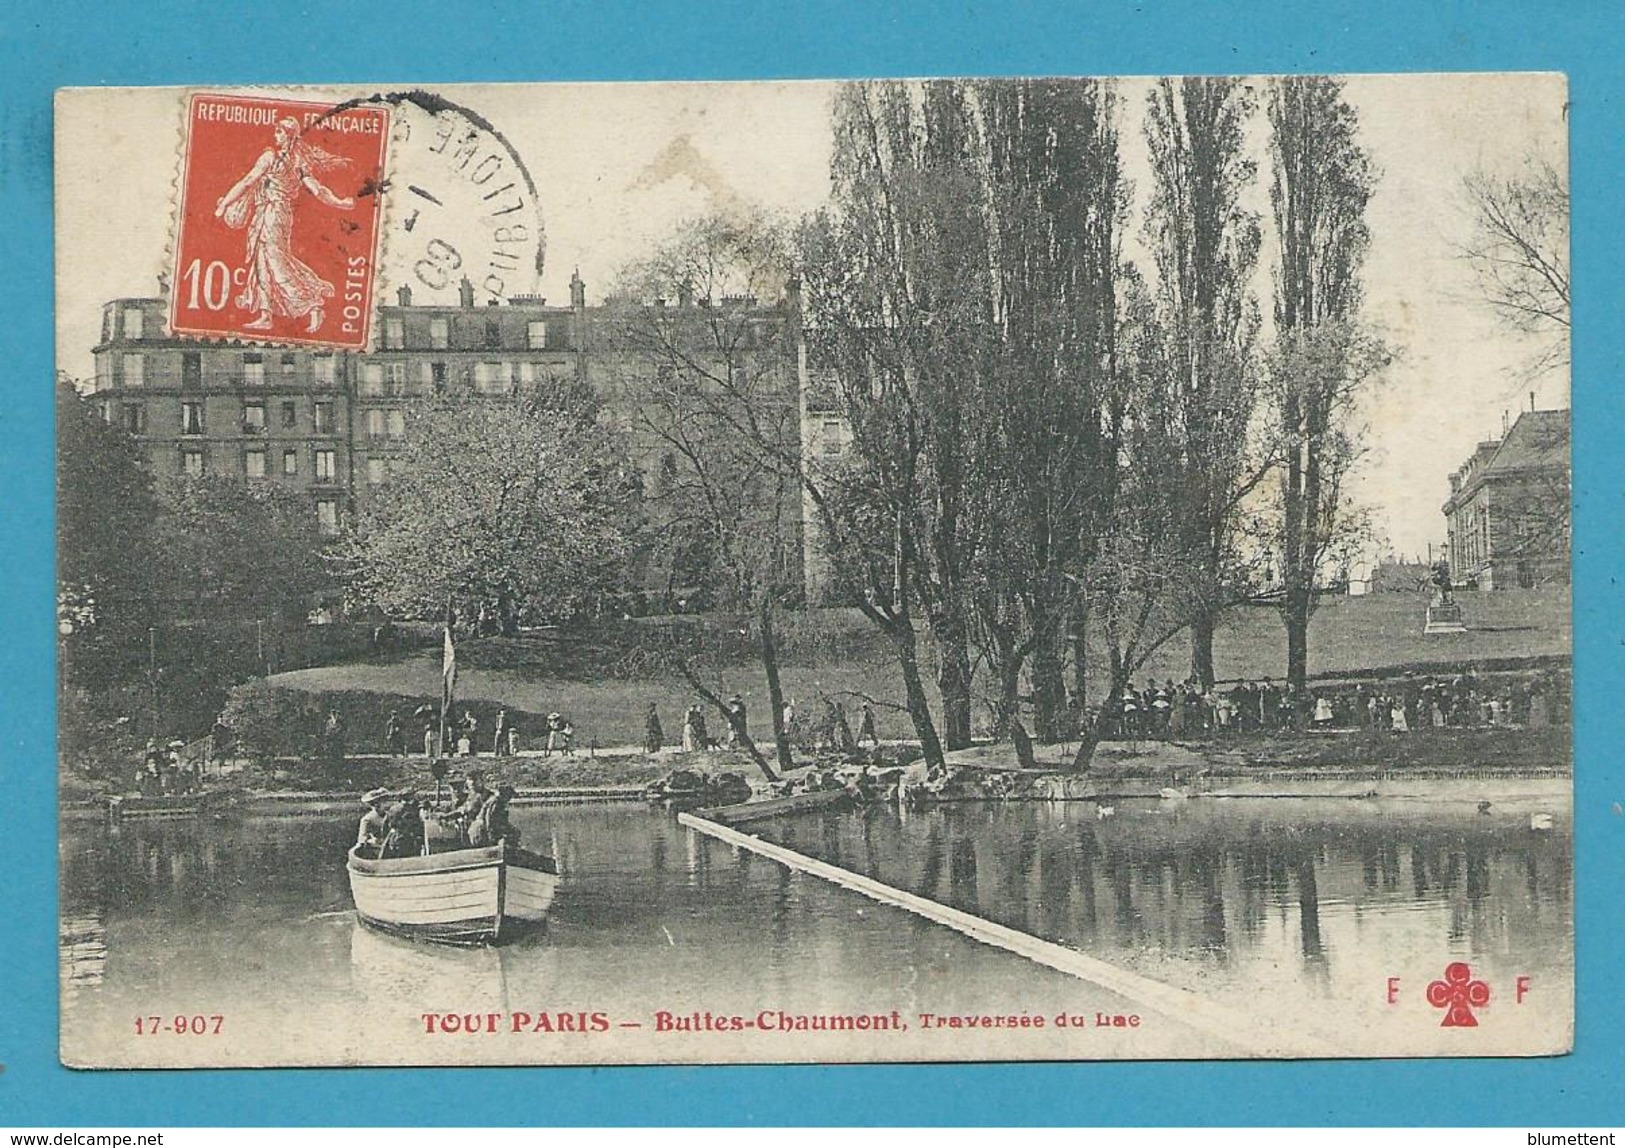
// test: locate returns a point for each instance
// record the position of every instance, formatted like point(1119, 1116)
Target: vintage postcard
point(900, 570)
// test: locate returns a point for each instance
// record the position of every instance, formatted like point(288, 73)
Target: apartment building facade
point(333, 426)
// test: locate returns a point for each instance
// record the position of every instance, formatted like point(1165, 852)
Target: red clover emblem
point(1458, 994)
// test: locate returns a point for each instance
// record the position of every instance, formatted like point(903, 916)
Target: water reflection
point(1289, 902)
point(1213, 888)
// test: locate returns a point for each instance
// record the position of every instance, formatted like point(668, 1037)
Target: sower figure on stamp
point(278, 283)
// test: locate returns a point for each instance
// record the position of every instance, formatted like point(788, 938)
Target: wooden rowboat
point(460, 897)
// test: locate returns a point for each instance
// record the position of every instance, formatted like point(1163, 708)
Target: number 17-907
point(195, 1024)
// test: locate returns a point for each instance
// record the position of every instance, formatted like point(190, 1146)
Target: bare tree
point(720, 370)
point(1519, 253)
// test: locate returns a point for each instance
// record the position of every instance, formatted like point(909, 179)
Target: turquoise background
point(174, 43)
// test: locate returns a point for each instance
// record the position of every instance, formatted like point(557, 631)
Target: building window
point(288, 364)
point(191, 370)
point(192, 463)
point(493, 333)
point(290, 414)
point(254, 463)
point(326, 368)
point(395, 378)
point(253, 418)
point(254, 370)
point(536, 335)
point(832, 438)
point(132, 416)
point(372, 379)
point(104, 372)
point(397, 424)
point(325, 469)
point(395, 333)
point(377, 471)
point(105, 410)
point(324, 418)
point(135, 370)
point(375, 424)
point(490, 379)
point(132, 322)
point(290, 462)
point(191, 418)
point(440, 333)
point(437, 376)
point(327, 516)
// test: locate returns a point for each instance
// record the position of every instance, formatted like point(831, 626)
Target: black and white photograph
point(888, 570)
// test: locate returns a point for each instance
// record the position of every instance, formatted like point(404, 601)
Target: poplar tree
point(1322, 181)
point(1205, 245)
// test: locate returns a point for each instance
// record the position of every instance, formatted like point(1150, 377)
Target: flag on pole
point(448, 681)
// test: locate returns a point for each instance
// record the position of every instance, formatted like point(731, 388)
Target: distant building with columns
point(1508, 510)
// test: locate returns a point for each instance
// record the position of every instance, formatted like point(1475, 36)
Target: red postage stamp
point(279, 220)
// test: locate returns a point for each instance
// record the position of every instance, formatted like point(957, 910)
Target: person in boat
point(468, 810)
point(492, 824)
point(403, 828)
point(373, 831)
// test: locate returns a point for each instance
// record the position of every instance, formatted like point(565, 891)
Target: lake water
point(1305, 908)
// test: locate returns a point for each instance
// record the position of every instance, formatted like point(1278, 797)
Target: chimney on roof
point(578, 290)
point(1505, 417)
point(465, 292)
point(1531, 400)
point(404, 294)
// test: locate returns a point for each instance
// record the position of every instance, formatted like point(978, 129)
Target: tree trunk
point(1049, 687)
point(953, 678)
point(1089, 737)
point(1202, 628)
point(775, 691)
point(919, 708)
point(1295, 613)
point(1009, 672)
point(1080, 657)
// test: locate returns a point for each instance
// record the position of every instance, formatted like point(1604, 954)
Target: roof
point(1539, 439)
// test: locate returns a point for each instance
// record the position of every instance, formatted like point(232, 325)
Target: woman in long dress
point(277, 282)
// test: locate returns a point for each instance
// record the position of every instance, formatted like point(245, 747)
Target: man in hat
point(374, 828)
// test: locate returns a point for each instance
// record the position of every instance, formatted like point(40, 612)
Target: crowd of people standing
point(1170, 710)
